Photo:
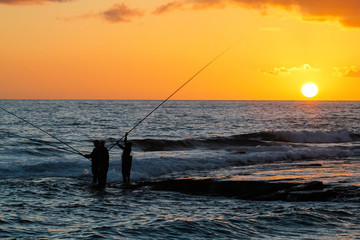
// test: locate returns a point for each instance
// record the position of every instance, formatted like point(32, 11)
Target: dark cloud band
point(346, 12)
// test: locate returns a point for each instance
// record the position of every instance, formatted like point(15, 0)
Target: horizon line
point(102, 99)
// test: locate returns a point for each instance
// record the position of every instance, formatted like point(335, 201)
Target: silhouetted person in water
point(103, 166)
point(94, 161)
point(99, 163)
point(126, 159)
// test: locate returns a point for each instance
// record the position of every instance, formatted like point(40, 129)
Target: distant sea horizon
point(230, 100)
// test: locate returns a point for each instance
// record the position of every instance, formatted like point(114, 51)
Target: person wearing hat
point(99, 163)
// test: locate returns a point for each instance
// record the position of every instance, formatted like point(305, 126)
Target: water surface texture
point(201, 170)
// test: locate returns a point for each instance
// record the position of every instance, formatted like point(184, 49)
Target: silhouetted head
point(101, 143)
point(96, 143)
point(128, 144)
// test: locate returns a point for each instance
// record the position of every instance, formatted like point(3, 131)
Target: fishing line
point(38, 141)
point(75, 151)
point(177, 90)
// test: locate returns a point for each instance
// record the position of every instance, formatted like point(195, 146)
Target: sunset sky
point(145, 49)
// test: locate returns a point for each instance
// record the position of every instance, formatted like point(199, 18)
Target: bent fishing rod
point(23, 119)
point(177, 90)
point(39, 141)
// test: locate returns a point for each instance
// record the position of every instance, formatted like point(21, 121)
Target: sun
point(309, 90)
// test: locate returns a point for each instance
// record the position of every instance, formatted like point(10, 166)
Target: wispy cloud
point(120, 13)
point(168, 7)
point(346, 12)
point(190, 4)
point(352, 71)
point(281, 71)
point(84, 16)
point(117, 13)
point(29, 2)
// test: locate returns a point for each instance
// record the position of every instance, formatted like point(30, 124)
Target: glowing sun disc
point(309, 90)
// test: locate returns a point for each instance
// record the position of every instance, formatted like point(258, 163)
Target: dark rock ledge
point(257, 190)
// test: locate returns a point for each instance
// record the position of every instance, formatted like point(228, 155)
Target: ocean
point(201, 170)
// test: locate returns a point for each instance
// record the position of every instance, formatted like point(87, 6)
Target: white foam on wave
point(312, 136)
point(34, 167)
point(149, 165)
point(157, 165)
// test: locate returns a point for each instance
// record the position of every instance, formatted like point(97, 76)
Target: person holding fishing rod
point(126, 159)
point(103, 154)
point(99, 163)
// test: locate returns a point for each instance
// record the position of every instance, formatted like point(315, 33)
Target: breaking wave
point(311, 136)
point(154, 158)
point(270, 137)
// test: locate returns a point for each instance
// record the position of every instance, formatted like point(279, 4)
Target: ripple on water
point(44, 209)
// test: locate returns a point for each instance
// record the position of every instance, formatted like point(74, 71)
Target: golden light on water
point(309, 90)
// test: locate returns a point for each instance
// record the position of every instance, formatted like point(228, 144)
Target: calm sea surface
point(305, 156)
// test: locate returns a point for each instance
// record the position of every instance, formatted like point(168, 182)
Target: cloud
point(352, 71)
point(347, 12)
point(168, 7)
point(282, 71)
point(199, 4)
point(190, 4)
point(117, 13)
point(120, 13)
point(29, 2)
point(84, 16)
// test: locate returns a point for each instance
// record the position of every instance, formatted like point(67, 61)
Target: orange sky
point(140, 49)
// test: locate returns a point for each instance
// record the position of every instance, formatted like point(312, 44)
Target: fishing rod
point(177, 90)
point(39, 141)
point(75, 151)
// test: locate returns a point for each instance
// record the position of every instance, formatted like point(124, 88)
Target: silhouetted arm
point(125, 140)
point(120, 146)
point(91, 155)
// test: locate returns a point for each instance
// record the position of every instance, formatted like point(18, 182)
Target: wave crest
point(266, 138)
point(311, 136)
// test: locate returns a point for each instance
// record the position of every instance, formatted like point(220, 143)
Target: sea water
point(46, 192)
